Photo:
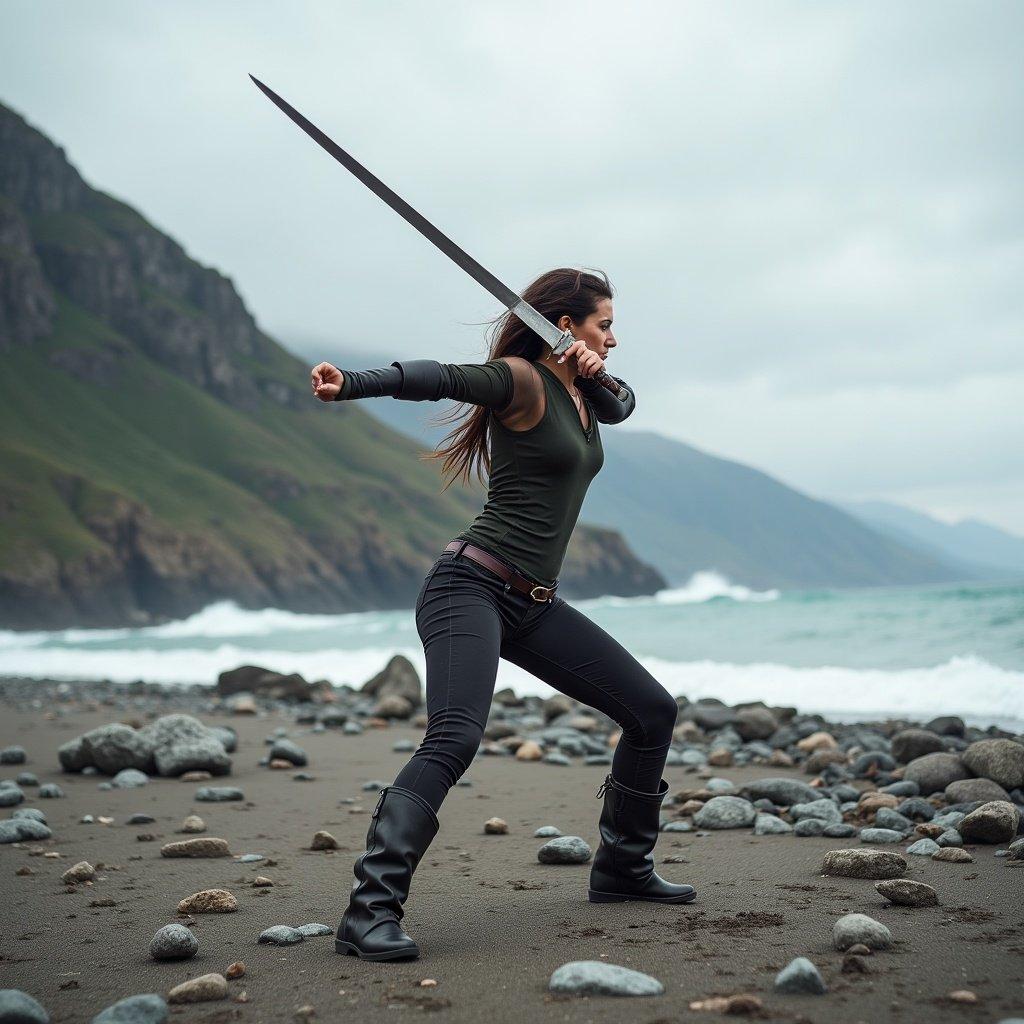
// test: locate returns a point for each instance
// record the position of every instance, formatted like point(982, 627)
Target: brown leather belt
point(512, 579)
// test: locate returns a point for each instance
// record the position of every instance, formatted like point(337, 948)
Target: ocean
point(909, 651)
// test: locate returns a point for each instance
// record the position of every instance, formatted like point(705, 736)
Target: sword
point(558, 340)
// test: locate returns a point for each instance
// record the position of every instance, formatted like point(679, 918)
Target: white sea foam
point(968, 686)
point(701, 586)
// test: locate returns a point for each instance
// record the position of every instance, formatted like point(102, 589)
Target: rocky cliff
point(160, 452)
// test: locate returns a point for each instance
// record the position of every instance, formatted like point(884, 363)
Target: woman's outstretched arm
point(426, 380)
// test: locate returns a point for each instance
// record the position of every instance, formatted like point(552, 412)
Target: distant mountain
point(683, 510)
point(982, 548)
point(158, 451)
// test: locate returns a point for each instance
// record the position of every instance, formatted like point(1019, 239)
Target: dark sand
point(492, 922)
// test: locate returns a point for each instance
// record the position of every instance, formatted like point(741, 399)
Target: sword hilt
point(605, 379)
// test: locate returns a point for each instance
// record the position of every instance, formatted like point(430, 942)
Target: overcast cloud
point(811, 211)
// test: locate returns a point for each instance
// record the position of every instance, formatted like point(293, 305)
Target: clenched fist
point(326, 380)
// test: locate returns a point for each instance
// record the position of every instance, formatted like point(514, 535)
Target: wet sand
point(491, 921)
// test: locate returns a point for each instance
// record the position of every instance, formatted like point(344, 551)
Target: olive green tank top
point(538, 480)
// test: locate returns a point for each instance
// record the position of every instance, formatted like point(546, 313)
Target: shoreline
point(492, 922)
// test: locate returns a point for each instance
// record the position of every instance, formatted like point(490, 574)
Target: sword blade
point(547, 330)
point(558, 340)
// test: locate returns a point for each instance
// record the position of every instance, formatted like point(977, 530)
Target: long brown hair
point(558, 293)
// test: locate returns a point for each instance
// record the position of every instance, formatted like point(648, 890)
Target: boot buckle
point(380, 800)
point(604, 786)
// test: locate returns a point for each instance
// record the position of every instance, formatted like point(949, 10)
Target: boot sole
point(348, 948)
point(596, 896)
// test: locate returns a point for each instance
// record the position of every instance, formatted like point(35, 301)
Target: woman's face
point(596, 330)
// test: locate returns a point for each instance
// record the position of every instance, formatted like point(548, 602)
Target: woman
point(491, 594)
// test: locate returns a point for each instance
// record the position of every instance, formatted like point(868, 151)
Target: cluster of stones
point(936, 789)
point(168, 746)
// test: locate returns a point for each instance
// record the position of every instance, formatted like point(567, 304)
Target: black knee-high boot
point(402, 826)
point(623, 867)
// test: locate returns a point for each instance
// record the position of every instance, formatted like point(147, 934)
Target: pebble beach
point(186, 853)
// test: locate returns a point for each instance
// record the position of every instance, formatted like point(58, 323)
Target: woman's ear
point(565, 323)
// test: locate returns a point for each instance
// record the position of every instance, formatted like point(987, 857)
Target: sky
point(811, 211)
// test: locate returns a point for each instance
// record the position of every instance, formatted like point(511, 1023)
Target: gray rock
point(871, 762)
point(251, 858)
point(720, 787)
point(29, 812)
point(27, 779)
point(311, 930)
point(1000, 760)
point(781, 792)
point(548, 832)
point(770, 825)
point(17, 1007)
point(129, 778)
point(949, 819)
point(173, 942)
point(994, 822)
point(281, 935)
point(823, 810)
point(676, 826)
point(908, 893)
point(145, 1009)
point(970, 790)
point(860, 863)
point(947, 725)
point(913, 743)
point(285, 750)
point(140, 819)
point(859, 928)
point(916, 808)
point(840, 830)
point(218, 794)
point(113, 747)
point(886, 817)
point(181, 743)
point(29, 828)
point(564, 850)
point(950, 838)
point(902, 788)
point(800, 977)
point(51, 791)
point(595, 978)
point(12, 755)
point(880, 835)
point(72, 755)
point(11, 796)
point(725, 812)
point(227, 736)
point(810, 827)
point(923, 848)
point(934, 772)
point(755, 723)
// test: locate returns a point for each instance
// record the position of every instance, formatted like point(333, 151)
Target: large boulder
point(182, 743)
point(934, 772)
point(913, 743)
point(264, 683)
point(111, 748)
point(709, 713)
point(398, 678)
point(1001, 761)
point(994, 822)
point(968, 791)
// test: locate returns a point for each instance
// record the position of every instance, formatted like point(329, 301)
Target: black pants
point(466, 620)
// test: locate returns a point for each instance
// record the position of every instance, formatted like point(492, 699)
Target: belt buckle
point(547, 597)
